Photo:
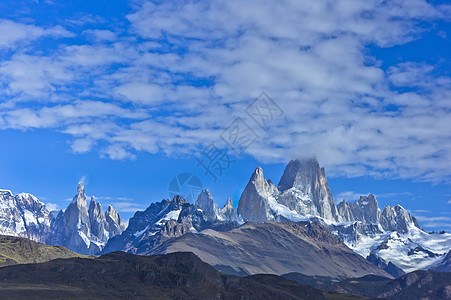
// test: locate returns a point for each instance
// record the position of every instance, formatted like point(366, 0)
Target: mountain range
point(299, 213)
point(391, 239)
point(78, 228)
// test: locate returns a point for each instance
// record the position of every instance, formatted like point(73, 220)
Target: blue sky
point(127, 94)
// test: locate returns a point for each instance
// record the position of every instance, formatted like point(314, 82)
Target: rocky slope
point(273, 248)
point(17, 250)
point(125, 276)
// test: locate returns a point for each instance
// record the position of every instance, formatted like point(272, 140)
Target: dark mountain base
point(415, 285)
point(125, 276)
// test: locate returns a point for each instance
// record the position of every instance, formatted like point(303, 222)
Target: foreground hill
point(415, 285)
point(120, 275)
point(274, 248)
point(16, 250)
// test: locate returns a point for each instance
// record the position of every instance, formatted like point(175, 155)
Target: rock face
point(366, 210)
point(114, 224)
point(85, 231)
point(24, 215)
point(304, 189)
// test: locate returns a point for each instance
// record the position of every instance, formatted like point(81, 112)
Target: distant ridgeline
point(391, 238)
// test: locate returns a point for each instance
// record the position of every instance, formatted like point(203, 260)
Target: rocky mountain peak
point(397, 218)
point(115, 225)
point(254, 202)
point(178, 200)
point(229, 203)
point(229, 213)
point(258, 179)
point(299, 173)
point(367, 209)
point(80, 188)
point(344, 210)
point(206, 202)
point(80, 198)
point(82, 230)
point(305, 189)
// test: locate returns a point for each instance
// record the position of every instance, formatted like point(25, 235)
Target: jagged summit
point(257, 174)
point(80, 188)
point(179, 200)
point(229, 203)
point(206, 202)
point(297, 171)
point(229, 213)
point(257, 198)
point(80, 198)
point(84, 230)
point(302, 192)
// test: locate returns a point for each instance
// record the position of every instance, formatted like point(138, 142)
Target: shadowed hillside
point(16, 250)
point(125, 276)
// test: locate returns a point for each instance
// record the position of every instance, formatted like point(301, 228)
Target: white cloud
point(13, 33)
point(101, 35)
point(118, 152)
point(127, 206)
point(114, 198)
point(421, 211)
point(437, 225)
point(55, 116)
point(353, 196)
point(82, 145)
point(52, 206)
point(432, 219)
point(349, 196)
point(197, 66)
point(449, 201)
